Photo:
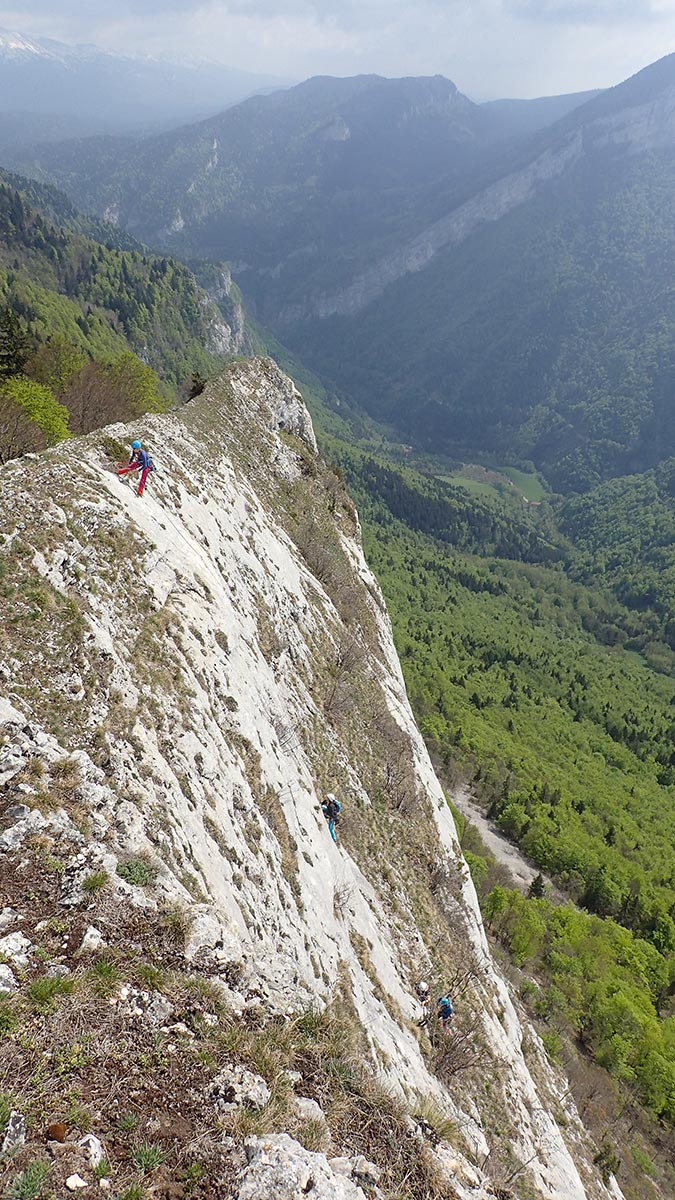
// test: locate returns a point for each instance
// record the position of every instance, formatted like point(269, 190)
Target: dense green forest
point(624, 534)
point(56, 208)
point(89, 333)
point(101, 297)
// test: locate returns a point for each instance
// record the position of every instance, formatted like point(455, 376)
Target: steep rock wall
point(216, 656)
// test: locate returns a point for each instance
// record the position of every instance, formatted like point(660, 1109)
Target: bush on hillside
point(30, 417)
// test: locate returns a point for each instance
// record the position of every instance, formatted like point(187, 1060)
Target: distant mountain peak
point(638, 89)
point(111, 90)
point(15, 46)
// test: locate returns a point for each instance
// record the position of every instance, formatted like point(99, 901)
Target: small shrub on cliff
point(147, 1156)
point(43, 992)
point(138, 872)
point(95, 882)
point(607, 1161)
point(29, 1184)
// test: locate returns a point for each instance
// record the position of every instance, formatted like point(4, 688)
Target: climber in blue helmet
point(141, 461)
point(444, 1011)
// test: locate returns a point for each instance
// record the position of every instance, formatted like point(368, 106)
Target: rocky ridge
point(215, 991)
point(647, 126)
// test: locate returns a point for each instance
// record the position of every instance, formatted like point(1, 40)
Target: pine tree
point(197, 385)
point(14, 344)
point(537, 888)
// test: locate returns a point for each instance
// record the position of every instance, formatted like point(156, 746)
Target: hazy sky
point(488, 47)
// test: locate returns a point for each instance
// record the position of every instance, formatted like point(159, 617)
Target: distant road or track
point(504, 851)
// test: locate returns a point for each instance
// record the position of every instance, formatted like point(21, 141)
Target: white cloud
point(489, 47)
point(588, 12)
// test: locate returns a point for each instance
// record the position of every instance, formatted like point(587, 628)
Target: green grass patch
point(527, 483)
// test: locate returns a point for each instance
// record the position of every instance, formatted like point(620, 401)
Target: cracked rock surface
point(279, 1168)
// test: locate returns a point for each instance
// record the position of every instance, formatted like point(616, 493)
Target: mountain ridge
point(567, 140)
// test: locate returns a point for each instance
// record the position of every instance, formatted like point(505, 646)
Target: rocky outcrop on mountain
point(491, 204)
point(186, 676)
point(230, 336)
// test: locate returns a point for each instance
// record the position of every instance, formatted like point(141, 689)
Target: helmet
point(423, 987)
point(136, 445)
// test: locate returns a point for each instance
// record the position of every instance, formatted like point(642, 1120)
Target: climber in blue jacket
point(331, 809)
point(444, 1011)
point(141, 461)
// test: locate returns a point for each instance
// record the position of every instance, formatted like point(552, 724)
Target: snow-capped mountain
point(113, 92)
point(14, 47)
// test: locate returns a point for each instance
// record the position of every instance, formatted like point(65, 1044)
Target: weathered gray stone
point(94, 1149)
point(158, 1010)
point(12, 838)
point(308, 1110)
point(152, 1007)
point(8, 983)
point(288, 409)
point(9, 715)
point(8, 917)
point(14, 1133)
point(16, 947)
point(341, 1165)
point(208, 941)
point(205, 934)
point(235, 1087)
point(279, 1168)
point(75, 1183)
point(455, 1169)
point(18, 812)
point(93, 940)
point(58, 971)
point(9, 767)
point(365, 1172)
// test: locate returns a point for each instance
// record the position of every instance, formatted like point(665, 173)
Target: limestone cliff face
point(229, 334)
point(213, 658)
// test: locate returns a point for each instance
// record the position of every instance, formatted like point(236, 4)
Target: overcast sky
point(488, 47)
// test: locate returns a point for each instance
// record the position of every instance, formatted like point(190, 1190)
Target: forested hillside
point(546, 336)
point(624, 532)
point(57, 209)
point(315, 172)
point(90, 332)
